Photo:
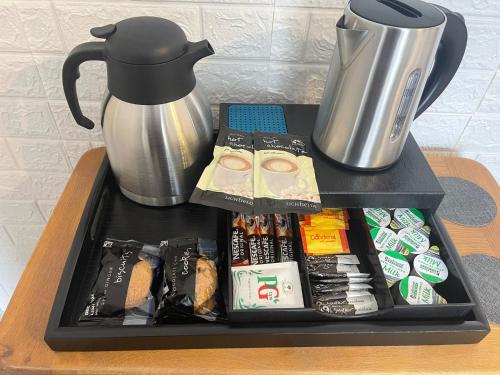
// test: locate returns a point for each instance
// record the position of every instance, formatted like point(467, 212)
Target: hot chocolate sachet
point(284, 178)
point(227, 182)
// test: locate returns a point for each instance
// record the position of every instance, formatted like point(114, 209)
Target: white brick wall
point(266, 51)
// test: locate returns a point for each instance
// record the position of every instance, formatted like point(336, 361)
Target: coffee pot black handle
point(448, 58)
point(83, 52)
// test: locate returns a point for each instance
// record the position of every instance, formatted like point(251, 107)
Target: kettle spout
point(350, 42)
point(198, 50)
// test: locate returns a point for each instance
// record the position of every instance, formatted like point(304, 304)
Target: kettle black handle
point(83, 52)
point(448, 58)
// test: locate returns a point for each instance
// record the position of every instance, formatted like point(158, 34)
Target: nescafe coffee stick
point(284, 237)
point(239, 244)
point(254, 239)
point(266, 228)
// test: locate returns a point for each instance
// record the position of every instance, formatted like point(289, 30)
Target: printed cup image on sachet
point(233, 173)
point(227, 182)
point(284, 177)
point(281, 174)
point(233, 170)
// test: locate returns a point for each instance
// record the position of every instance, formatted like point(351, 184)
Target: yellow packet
point(330, 218)
point(319, 241)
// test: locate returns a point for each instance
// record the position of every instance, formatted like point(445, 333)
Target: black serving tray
point(109, 214)
point(410, 183)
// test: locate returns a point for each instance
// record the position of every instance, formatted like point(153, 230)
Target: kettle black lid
point(143, 40)
point(412, 14)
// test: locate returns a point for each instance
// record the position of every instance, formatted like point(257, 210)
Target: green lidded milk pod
point(407, 218)
point(425, 230)
point(430, 267)
point(385, 239)
point(394, 265)
point(377, 217)
point(435, 249)
point(413, 242)
point(414, 290)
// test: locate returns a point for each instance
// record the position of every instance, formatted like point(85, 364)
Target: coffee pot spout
point(350, 41)
point(197, 50)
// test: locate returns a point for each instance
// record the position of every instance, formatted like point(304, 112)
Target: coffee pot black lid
point(143, 40)
point(149, 59)
point(413, 14)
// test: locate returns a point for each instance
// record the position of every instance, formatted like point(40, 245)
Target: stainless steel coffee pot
point(156, 122)
point(392, 60)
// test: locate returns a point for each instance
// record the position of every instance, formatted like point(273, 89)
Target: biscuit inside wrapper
point(189, 283)
point(126, 285)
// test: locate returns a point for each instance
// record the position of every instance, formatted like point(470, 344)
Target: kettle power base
point(360, 170)
point(408, 183)
point(109, 214)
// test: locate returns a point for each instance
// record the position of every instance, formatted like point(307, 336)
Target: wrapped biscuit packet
point(227, 182)
point(125, 289)
point(189, 287)
point(284, 177)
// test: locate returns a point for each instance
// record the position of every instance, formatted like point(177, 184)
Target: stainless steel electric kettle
point(393, 59)
point(156, 122)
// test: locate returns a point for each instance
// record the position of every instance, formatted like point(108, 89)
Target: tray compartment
point(308, 313)
point(111, 215)
point(454, 289)
point(459, 301)
point(358, 242)
point(369, 263)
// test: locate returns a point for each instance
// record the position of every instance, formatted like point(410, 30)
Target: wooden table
point(22, 349)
